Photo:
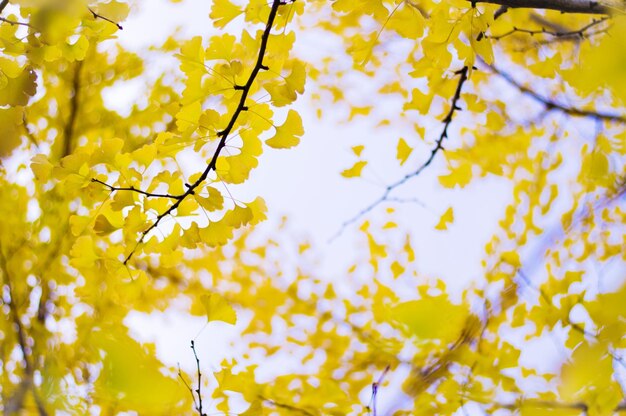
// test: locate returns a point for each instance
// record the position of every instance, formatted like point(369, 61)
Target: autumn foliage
point(105, 213)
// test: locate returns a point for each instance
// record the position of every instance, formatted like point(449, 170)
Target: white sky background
point(305, 184)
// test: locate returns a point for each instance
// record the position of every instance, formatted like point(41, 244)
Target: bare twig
point(139, 191)
point(375, 385)
point(193, 396)
point(564, 6)
point(14, 22)
point(579, 33)
point(463, 76)
point(99, 16)
point(555, 105)
point(286, 406)
point(545, 404)
point(198, 390)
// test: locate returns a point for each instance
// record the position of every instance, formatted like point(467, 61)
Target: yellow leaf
point(446, 219)
point(460, 176)
point(218, 309)
point(223, 11)
point(397, 269)
point(213, 202)
point(432, 318)
point(188, 116)
point(287, 134)
point(403, 151)
point(18, 90)
point(357, 150)
point(355, 170)
point(41, 167)
point(103, 226)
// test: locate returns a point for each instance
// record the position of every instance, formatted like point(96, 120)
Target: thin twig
point(99, 16)
point(375, 385)
point(545, 404)
point(286, 406)
point(14, 22)
point(555, 105)
point(193, 396)
point(564, 6)
point(433, 153)
point(579, 33)
point(139, 191)
point(199, 388)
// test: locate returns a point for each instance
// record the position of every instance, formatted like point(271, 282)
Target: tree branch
point(290, 408)
point(371, 408)
point(433, 153)
point(560, 33)
point(106, 19)
point(139, 191)
point(70, 124)
point(245, 91)
point(555, 105)
point(545, 404)
point(15, 403)
point(565, 6)
point(199, 389)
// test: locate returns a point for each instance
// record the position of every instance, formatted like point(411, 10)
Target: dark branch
point(223, 134)
point(133, 189)
point(70, 124)
point(14, 22)
point(99, 16)
point(15, 403)
point(545, 404)
point(286, 406)
point(3, 4)
point(577, 34)
point(375, 385)
point(555, 105)
point(193, 396)
point(433, 153)
point(565, 6)
point(199, 389)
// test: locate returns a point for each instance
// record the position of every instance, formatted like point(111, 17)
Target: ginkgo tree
point(98, 219)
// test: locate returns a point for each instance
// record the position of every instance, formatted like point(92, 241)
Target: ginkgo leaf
point(188, 116)
point(223, 11)
point(41, 167)
point(214, 201)
point(357, 150)
point(446, 219)
point(288, 134)
point(460, 176)
point(17, 91)
point(355, 170)
point(432, 318)
point(403, 151)
point(218, 309)
point(103, 226)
